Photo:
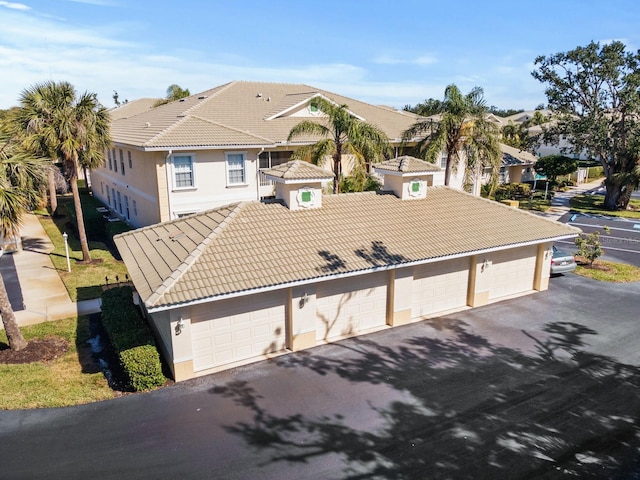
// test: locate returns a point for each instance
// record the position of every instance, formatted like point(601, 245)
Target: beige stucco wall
point(143, 183)
point(300, 320)
point(150, 183)
point(302, 317)
point(289, 194)
point(211, 188)
point(401, 185)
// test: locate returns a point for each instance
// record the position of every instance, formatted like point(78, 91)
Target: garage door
point(351, 305)
point(238, 329)
point(440, 286)
point(512, 272)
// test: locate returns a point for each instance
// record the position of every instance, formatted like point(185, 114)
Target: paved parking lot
point(542, 386)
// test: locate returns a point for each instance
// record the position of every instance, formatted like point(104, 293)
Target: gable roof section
point(407, 164)
point(514, 156)
point(257, 109)
point(298, 171)
point(256, 246)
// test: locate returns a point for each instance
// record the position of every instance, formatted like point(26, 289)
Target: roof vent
point(147, 125)
point(181, 100)
point(258, 95)
point(202, 97)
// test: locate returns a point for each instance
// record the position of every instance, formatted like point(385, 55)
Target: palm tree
point(66, 128)
point(342, 134)
point(461, 127)
point(22, 178)
point(174, 92)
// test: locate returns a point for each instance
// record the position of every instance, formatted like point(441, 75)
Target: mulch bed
point(37, 350)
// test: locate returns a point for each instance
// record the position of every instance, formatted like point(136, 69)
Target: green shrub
point(512, 191)
point(595, 172)
point(143, 367)
point(132, 339)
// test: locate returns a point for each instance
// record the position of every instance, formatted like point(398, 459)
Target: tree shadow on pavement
point(468, 409)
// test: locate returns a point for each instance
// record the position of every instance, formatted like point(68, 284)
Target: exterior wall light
point(179, 326)
point(304, 300)
point(485, 265)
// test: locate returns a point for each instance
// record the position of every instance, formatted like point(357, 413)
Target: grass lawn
point(84, 281)
point(537, 204)
point(594, 204)
point(609, 271)
point(69, 380)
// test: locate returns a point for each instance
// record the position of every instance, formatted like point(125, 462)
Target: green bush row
point(132, 339)
point(512, 191)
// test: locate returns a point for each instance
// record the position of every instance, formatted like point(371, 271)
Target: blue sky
point(383, 52)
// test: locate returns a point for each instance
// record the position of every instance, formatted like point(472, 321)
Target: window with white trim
point(109, 156)
point(183, 171)
point(130, 162)
point(236, 169)
point(443, 160)
point(135, 208)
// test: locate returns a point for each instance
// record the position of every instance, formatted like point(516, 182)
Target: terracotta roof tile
point(407, 164)
point(254, 245)
point(234, 114)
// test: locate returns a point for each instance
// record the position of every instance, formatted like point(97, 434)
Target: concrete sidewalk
point(560, 201)
point(35, 289)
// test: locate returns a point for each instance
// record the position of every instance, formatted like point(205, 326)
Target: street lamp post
point(66, 250)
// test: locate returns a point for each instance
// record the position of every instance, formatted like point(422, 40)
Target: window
point(183, 171)
point(443, 160)
point(113, 195)
point(108, 197)
point(135, 208)
point(119, 203)
point(235, 169)
point(129, 155)
point(109, 155)
point(273, 159)
point(126, 207)
point(121, 162)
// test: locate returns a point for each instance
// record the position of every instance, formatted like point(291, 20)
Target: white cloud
point(392, 60)
point(14, 6)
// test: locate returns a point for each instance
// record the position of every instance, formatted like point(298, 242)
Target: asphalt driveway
point(542, 386)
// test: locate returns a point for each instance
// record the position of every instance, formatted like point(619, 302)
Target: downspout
point(167, 174)
point(258, 174)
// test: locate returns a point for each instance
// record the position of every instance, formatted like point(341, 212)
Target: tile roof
point(407, 164)
point(514, 156)
point(132, 108)
point(253, 245)
point(298, 170)
point(242, 114)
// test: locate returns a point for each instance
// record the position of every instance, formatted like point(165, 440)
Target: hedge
point(131, 339)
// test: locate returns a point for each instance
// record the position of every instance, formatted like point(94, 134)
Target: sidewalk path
point(560, 201)
point(34, 286)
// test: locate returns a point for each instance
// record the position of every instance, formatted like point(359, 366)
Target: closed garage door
point(350, 305)
point(238, 329)
point(512, 272)
point(440, 286)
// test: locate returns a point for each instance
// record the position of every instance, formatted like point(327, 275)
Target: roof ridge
point(208, 98)
point(188, 262)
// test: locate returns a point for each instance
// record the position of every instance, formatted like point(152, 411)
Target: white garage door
point(351, 305)
point(440, 286)
point(512, 272)
point(238, 329)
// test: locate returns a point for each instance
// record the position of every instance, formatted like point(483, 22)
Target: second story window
point(235, 169)
point(183, 171)
point(122, 162)
point(109, 156)
point(129, 156)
